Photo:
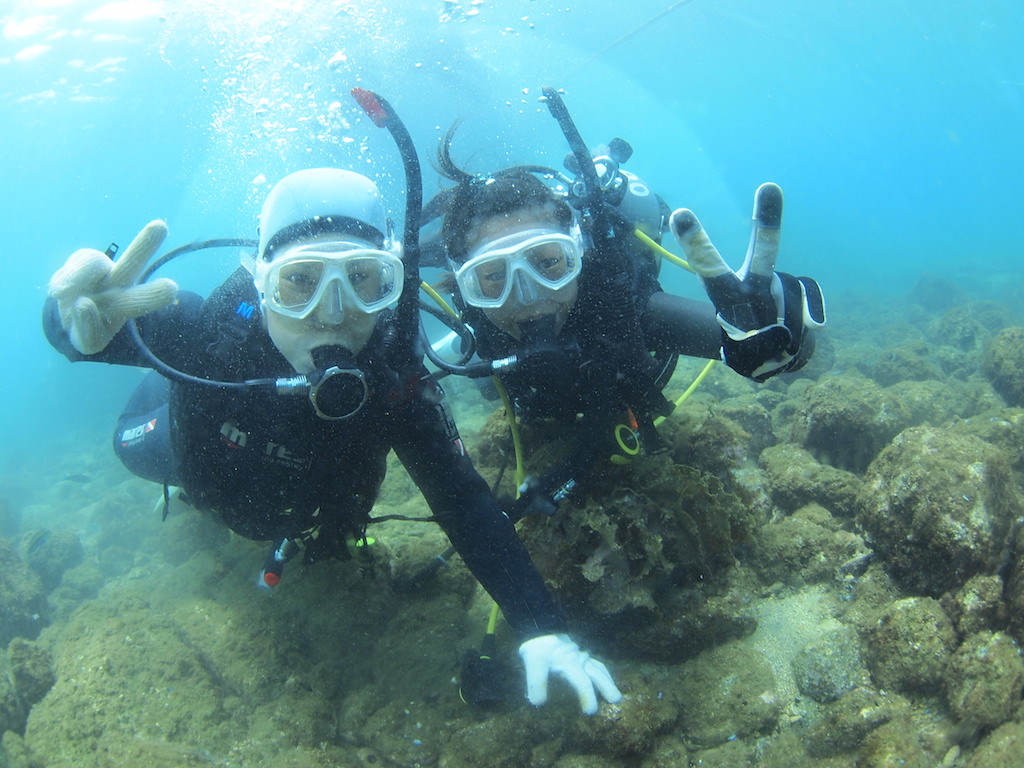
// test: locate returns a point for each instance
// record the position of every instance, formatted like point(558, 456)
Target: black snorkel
point(587, 188)
point(402, 348)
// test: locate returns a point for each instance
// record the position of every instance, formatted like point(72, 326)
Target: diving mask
point(339, 274)
point(541, 258)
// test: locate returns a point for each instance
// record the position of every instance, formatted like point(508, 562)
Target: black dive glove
point(532, 500)
point(764, 314)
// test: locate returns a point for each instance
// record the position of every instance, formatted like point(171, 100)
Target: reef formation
point(825, 570)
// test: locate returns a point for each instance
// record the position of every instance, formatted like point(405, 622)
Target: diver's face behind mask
point(520, 269)
point(326, 291)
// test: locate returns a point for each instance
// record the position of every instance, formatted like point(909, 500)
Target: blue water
point(893, 128)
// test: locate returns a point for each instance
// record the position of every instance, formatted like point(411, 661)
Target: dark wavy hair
point(476, 198)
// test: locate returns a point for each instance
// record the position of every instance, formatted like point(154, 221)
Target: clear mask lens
point(548, 259)
point(337, 275)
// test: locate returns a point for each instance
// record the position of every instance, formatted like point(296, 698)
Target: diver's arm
point(164, 330)
point(675, 324)
point(428, 445)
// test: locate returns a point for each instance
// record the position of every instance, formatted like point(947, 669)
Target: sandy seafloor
point(157, 649)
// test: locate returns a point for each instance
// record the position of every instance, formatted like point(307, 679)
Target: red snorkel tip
point(372, 106)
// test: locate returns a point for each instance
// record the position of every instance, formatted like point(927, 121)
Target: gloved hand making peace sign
point(764, 314)
point(97, 296)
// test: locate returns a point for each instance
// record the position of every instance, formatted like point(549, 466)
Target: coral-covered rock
point(803, 548)
point(710, 441)
point(1003, 429)
point(1003, 746)
point(1015, 590)
point(830, 666)
point(623, 560)
point(977, 605)
point(794, 478)
point(907, 363)
point(939, 507)
point(963, 327)
point(627, 728)
point(910, 645)
point(934, 402)
point(755, 420)
point(846, 421)
point(985, 678)
point(896, 743)
point(12, 710)
point(50, 553)
point(1003, 364)
point(727, 693)
point(936, 294)
point(844, 723)
point(23, 608)
point(31, 670)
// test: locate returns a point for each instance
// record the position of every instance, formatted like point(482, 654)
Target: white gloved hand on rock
point(559, 655)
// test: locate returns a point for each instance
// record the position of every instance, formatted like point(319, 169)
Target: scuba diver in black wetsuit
point(303, 471)
point(555, 281)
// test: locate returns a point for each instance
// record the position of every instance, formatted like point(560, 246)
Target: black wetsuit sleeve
point(166, 331)
point(675, 324)
point(484, 537)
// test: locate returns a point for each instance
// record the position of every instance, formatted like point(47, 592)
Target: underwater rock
point(623, 559)
point(985, 678)
point(126, 674)
point(31, 670)
point(183, 535)
point(937, 294)
point(23, 608)
point(794, 479)
point(585, 761)
point(711, 442)
point(12, 711)
point(1003, 428)
point(909, 647)
point(16, 753)
point(967, 327)
point(51, 553)
point(727, 693)
point(1015, 590)
point(728, 755)
point(956, 364)
point(844, 723)
point(668, 752)
point(502, 742)
point(847, 420)
point(897, 743)
point(909, 363)
point(803, 548)
point(627, 728)
point(1003, 365)
point(934, 402)
point(830, 666)
point(939, 507)
point(1002, 747)
point(977, 605)
point(754, 419)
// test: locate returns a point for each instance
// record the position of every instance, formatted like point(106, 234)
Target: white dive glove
point(96, 296)
point(558, 654)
